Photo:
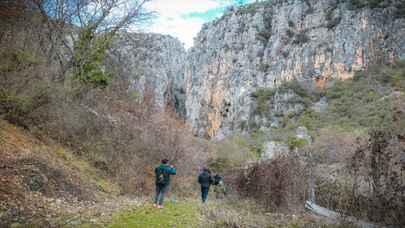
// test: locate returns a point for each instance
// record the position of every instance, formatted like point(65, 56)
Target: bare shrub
point(331, 146)
point(370, 186)
point(379, 163)
point(124, 138)
point(277, 184)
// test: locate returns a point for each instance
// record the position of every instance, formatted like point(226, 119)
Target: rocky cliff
point(154, 65)
point(264, 44)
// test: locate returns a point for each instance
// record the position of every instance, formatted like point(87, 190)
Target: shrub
point(301, 38)
point(310, 119)
point(19, 109)
point(331, 20)
point(232, 152)
point(285, 53)
point(276, 184)
point(290, 33)
point(332, 146)
point(358, 4)
point(263, 36)
point(333, 23)
point(291, 24)
point(400, 10)
point(219, 164)
point(264, 67)
point(264, 95)
point(262, 98)
point(294, 142)
point(248, 9)
point(89, 58)
point(295, 86)
point(393, 76)
point(14, 107)
point(377, 163)
point(357, 103)
point(17, 59)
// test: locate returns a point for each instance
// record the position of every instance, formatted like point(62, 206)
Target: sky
point(183, 19)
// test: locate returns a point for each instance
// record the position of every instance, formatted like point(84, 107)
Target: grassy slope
point(61, 180)
point(17, 143)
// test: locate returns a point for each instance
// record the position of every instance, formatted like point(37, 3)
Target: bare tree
point(81, 31)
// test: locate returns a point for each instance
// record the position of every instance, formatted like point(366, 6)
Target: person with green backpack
point(163, 173)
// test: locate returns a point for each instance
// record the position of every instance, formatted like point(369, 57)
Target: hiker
point(163, 173)
point(220, 188)
point(205, 180)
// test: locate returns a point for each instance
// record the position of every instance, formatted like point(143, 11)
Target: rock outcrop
point(154, 65)
point(264, 44)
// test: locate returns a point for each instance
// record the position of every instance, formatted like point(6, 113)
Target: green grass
point(182, 214)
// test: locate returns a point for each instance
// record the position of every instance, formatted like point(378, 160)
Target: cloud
point(183, 29)
point(183, 19)
point(172, 8)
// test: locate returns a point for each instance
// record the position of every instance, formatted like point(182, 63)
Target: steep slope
point(263, 44)
point(40, 181)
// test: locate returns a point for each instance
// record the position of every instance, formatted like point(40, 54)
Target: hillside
point(42, 182)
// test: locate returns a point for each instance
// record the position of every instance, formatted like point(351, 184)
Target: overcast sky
point(184, 18)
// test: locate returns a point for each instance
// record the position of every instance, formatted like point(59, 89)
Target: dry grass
point(33, 171)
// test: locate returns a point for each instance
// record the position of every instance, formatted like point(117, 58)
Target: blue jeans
point(204, 193)
point(160, 193)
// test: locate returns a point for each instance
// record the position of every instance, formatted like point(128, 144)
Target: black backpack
point(217, 179)
point(161, 176)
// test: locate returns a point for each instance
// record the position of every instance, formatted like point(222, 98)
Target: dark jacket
point(167, 171)
point(205, 179)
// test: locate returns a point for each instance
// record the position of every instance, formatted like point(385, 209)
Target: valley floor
point(43, 184)
point(189, 213)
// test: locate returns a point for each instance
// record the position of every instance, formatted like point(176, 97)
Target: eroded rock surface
point(264, 44)
point(154, 65)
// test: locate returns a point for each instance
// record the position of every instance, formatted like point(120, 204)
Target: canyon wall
point(264, 44)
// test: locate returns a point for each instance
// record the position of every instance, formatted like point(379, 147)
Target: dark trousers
point(160, 193)
point(204, 193)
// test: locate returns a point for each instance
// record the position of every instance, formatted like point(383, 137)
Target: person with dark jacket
point(163, 173)
point(205, 180)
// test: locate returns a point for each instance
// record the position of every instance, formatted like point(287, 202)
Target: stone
point(321, 105)
point(273, 149)
point(302, 133)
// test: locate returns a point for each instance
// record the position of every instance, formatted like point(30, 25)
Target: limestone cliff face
point(154, 65)
point(264, 44)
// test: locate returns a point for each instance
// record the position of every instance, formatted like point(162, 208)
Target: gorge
point(262, 45)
